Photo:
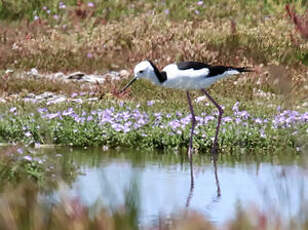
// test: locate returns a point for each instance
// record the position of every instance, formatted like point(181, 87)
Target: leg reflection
point(191, 190)
point(192, 185)
point(216, 175)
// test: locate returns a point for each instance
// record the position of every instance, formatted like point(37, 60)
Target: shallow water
point(277, 187)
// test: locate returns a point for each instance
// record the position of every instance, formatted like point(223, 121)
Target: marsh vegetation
point(265, 121)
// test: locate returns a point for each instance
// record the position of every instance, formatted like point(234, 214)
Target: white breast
point(186, 79)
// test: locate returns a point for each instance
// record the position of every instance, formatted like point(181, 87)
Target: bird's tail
point(244, 69)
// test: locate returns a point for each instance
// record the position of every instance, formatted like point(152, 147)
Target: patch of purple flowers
point(125, 120)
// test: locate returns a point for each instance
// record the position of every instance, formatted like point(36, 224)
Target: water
point(276, 187)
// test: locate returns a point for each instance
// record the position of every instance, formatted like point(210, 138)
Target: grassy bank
point(97, 36)
point(149, 126)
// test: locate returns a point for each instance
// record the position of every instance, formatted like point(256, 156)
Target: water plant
point(128, 125)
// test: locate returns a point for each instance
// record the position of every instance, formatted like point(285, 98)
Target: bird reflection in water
point(192, 182)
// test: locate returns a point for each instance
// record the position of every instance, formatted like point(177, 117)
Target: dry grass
point(260, 35)
point(93, 44)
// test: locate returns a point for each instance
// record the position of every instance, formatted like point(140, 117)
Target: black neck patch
point(161, 76)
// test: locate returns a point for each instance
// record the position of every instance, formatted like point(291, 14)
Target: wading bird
point(187, 76)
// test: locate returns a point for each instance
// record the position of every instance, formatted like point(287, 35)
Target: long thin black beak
point(129, 83)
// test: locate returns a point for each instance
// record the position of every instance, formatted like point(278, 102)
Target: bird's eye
point(141, 71)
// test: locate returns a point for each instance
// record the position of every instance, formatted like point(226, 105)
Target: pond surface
point(162, 183)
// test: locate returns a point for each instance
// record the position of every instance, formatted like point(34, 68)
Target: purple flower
point(44, 7)
point(262, 134)
point(117, 127)
point(20, 150)
point(304, 117)
point(141, 121)
point(13, 109)
point(258, 121)
point(36, 17)
point(208, 118)
point(74, 95)
point(91, 4)
point(126, 129)
point(78, 100)
point(158, 115)
point(89, 55)
point(68, 112)
point(42, 110)
point(186, 120)
point(197, 12)
point(166, 11)
point(28, 158)
point(52, 115)
point(244, 114)
point(235, 107)
point(28, 134)
point(174, 124)
point(62, 5)
point(238, 120)
point(90, 118)
point(227, 119)
point(278, 108)
point(56, 17)
point(150, 103)
point(200, 3)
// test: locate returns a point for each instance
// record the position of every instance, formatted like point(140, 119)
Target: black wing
point(213, 70)
point(217, 70)
point(191, 65)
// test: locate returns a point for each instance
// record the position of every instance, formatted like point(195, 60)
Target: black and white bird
point(187, 76)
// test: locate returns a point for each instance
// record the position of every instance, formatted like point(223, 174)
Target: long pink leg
point(220, 113)
point(193, 123)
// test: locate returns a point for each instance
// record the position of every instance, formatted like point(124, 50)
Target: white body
point(189, 79)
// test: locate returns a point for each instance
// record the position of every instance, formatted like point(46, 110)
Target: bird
point(187, 75)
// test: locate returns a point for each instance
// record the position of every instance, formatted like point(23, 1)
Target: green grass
point(93, 39)
point(83, 128)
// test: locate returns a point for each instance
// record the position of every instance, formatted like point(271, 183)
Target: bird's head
point(143, 69)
